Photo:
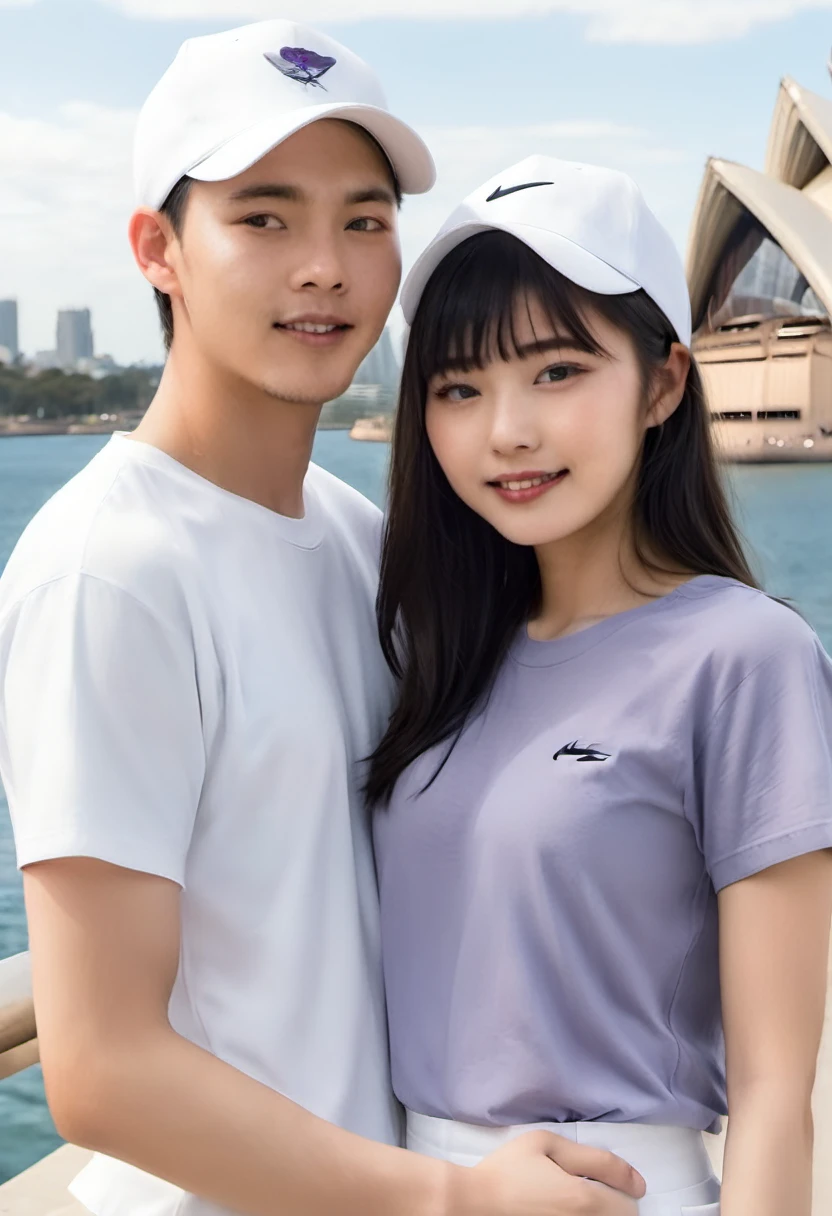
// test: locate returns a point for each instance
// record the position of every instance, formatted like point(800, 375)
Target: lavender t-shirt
point(549, 916)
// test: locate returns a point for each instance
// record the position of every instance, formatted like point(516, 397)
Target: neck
point(594, 574)
point(232, 433)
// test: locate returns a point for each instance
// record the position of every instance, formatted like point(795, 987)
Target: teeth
point(529, 483)
point(306, 327)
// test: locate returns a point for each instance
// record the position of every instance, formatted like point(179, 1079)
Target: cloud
point(65, 195)
point(629, 21)
point(686, 22)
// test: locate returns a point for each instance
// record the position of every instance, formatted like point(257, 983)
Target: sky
point(653, 87)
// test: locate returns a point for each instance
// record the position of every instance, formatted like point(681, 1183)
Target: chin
point(535, 533)
point(310, 382)
point(305, 390)
point(531, 537)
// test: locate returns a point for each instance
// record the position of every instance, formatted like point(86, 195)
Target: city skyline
point(73, 349)
point(380, 366)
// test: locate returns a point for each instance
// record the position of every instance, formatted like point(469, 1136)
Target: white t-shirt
point(188, 685)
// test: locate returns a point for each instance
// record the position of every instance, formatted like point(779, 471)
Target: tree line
point(54, 393)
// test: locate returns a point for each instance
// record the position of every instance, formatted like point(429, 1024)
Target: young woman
point(604, 800)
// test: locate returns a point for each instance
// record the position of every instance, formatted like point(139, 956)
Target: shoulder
point(743, 624)
point(742, 638)
point(336, 494)
point(107, 525)
point(347, 510)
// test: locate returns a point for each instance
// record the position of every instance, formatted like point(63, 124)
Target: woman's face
point(548, 443)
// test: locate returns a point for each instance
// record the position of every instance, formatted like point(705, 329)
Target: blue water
point(785, 512)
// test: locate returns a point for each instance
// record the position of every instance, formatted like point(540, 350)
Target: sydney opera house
point(760, 275)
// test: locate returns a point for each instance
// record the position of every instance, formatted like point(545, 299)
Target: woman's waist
point(524, 1088)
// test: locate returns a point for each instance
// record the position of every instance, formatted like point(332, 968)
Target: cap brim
point(575, 263)
point(408, 154)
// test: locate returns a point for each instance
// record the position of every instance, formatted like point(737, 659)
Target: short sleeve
point(101, 745)
point(763, 775)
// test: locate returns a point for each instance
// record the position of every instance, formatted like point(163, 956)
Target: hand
point(542, 1174)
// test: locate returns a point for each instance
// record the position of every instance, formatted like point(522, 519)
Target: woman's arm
point(774, 933)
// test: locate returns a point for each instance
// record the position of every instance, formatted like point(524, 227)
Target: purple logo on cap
point(299, 64)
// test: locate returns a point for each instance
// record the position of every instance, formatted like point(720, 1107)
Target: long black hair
point(453, 591)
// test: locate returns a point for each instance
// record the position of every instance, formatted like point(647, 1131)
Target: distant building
point(760, 278)
point(380, 366)
point(761, 243)
point(74, 336)
point(98, 367)
point(8, 328)
point(359, 401)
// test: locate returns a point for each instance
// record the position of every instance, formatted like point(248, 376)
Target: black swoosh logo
point(501, 193)
point(584, 755)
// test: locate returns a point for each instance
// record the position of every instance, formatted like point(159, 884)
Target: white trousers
point(672, 1160)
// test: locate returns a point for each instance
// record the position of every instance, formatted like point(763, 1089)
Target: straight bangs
point(478, 295)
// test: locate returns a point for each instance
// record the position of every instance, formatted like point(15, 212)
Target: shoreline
point(24, 429)
point(28, 429)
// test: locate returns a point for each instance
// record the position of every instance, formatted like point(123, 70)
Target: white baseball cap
point(591, 224)
point(228, 99)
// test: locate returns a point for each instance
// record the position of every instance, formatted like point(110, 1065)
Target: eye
point(557, 373)
point(263, 221)
point(456, 392)
point(365, 223)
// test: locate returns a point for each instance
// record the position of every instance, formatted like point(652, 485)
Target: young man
point(190, 676)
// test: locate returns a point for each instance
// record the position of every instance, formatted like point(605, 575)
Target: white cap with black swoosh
point(591, 224)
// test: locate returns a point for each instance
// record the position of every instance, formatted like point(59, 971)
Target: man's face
point(288, 272)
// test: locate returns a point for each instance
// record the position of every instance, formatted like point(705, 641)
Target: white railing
point(18, 1033)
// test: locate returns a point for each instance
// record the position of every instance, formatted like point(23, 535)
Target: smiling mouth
point(311, 327)
point(527, 483)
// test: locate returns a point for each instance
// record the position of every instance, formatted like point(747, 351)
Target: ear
point(152, 240)
point(669, 385)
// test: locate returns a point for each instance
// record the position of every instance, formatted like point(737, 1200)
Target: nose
point(513, 425)
point(320, 265)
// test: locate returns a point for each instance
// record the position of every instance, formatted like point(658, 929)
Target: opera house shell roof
point(761, 248)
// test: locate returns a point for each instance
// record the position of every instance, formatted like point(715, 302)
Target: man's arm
point(774, 941)
point(105, 952)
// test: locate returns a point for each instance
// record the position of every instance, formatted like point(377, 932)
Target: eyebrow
point(268, 190)
point(555, 343)
point(293, 194)
point(464, 363)
point(374, 194)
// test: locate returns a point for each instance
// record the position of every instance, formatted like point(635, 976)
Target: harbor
point(740, 179)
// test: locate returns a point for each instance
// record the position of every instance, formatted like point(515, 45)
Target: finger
point(585, 1161)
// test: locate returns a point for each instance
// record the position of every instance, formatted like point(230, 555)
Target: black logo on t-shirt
point(584, 755)
point(501, 193)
